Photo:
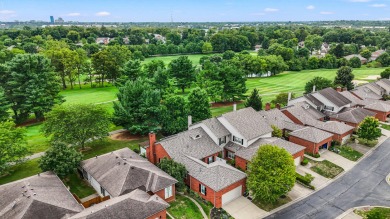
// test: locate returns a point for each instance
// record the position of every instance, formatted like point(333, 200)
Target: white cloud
point(310, 7)
point(73, 14)
point(326, 12)
point(359, 0)
point(7, 12)
point(271, 10)
point(103, 14)
point(378, 5)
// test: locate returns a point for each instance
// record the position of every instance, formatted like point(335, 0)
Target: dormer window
point(222, 140)
point(238, 140)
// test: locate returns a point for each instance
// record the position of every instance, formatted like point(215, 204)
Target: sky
point(194, 10)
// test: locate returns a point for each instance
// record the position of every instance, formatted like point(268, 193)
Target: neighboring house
point(244, 155)
point(42, 196)
point(103, 40)
point(312, 139)
point(276, 118)
point(159, 37)
point(257, 48)
point(385, 85)
point(361, 58)
point(302, 113)
point(134, 205)
point(381, 108)
point(352, 116)
point(376, 54)
point(355, 100)
point(122, 171)
point(367, 92)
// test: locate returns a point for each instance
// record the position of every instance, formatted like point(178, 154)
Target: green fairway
point(36, 141)
point(90, 95)
point(167, 59)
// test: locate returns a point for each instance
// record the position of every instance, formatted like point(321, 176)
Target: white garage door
point(297, 161)
point(230, 196)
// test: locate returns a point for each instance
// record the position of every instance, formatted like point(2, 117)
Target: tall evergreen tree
point(198, 105)
point(183, 71)
point(254, 100)
point(4, 106)
point(344, 77)
point(174, 114)
point(31, 86)
point(138, 107)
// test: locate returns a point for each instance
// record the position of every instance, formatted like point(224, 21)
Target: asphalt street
point(364, 184)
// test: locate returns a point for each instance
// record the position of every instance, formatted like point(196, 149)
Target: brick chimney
point(152, 149)
point(235, 107)
point(267, 106)
point(345, 88)
point(277, 106)
point(338, 89)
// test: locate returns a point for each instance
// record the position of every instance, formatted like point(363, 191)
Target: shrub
point(306, 180)
point(232, 162)
point(304, 162)
point(317, 155)
point(136, 150)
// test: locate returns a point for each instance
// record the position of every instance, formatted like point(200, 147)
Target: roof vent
point(35, 194)
point(132, 167)
point(263, 117)
point(116, 157)
point(196, 137)
point(106, 206)
point(28, 196)
point(124, 158)
point(124, 163)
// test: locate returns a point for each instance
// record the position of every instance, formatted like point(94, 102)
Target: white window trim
point(203, 189)
point(168, 192)
point(210, 159)
point(231, 155)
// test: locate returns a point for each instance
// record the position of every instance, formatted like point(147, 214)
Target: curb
point(341, 216)
point(329, 182)
point(388, 179)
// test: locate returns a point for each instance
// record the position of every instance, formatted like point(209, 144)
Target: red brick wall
point(381, 116)
point(161, 194)
point(337, 137)
point(225, 154)
point(241, 162)
point(300, 154)
point(160, 153)
point(293, 118)
point(310, 146)
point(161, 214)
point(215, 197)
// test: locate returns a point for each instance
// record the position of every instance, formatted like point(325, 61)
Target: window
point(222, 140)
point(331, 108)
point(168, 192)
point(202, 189)
point(102, 191)
point(238, 140)
point(230, 155)
point(210, 159)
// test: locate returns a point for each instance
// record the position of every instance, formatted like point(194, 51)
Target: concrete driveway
point(242, 208)
point(338, 160)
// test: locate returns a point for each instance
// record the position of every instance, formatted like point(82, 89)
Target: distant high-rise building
point(51, 19)
point(60, 20)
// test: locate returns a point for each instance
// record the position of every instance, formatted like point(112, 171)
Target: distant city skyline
point(194, 11)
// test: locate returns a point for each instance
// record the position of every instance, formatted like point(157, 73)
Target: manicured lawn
point(387, 127)
point(349, 153)
point(167, 59)
point(90, 95)
point(37, 142)
point(325, 168)
point(78, 186)
point(271, 206)
point(206, 205)
point(377, 213)
point(21, 171)
point(184, 208)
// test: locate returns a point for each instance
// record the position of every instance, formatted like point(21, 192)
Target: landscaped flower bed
point(326, 168)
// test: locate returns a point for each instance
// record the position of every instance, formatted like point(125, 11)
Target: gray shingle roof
point(277, 118)
point(313, 99)
point(355, 100)
point(304, 112)
point(384, 84)
point(311, 134)
point(335, 97)
point(353, 115)
point(365, 92)
point(134, 205)
point(185, 148)
point(122, 171)
point(40, 197)
point(250, 151)
point(248, 122)
point(332, 126)
point(215, 126)
point(381, 106)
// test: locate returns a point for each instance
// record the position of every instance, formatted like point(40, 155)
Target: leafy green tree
point(175, 169)
point(30, 86)
point(254, 100)
point(183, 71)
point(279, 50)
point(198, 105)
point(313, 42)
point(77, 124)
point(344, 77)
point(151, 67)
point(354, 62)
point(73, 36)
point(366, 53)
point(4, 106)
point(275, 64)
point(207, 48)
point(313, 63)
point(384, 59)
point(282, 99)
point(319, 82)
point(13, 145)
point(174, 113)
point(61, 159)
point(81, 63)
point(338, 50)
point(385, 73)
point(138, 107)
point(131, 71)
point(276, 132)
point(55, 52)
point(227, 55)
point(369, 129)
point(271, 173)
